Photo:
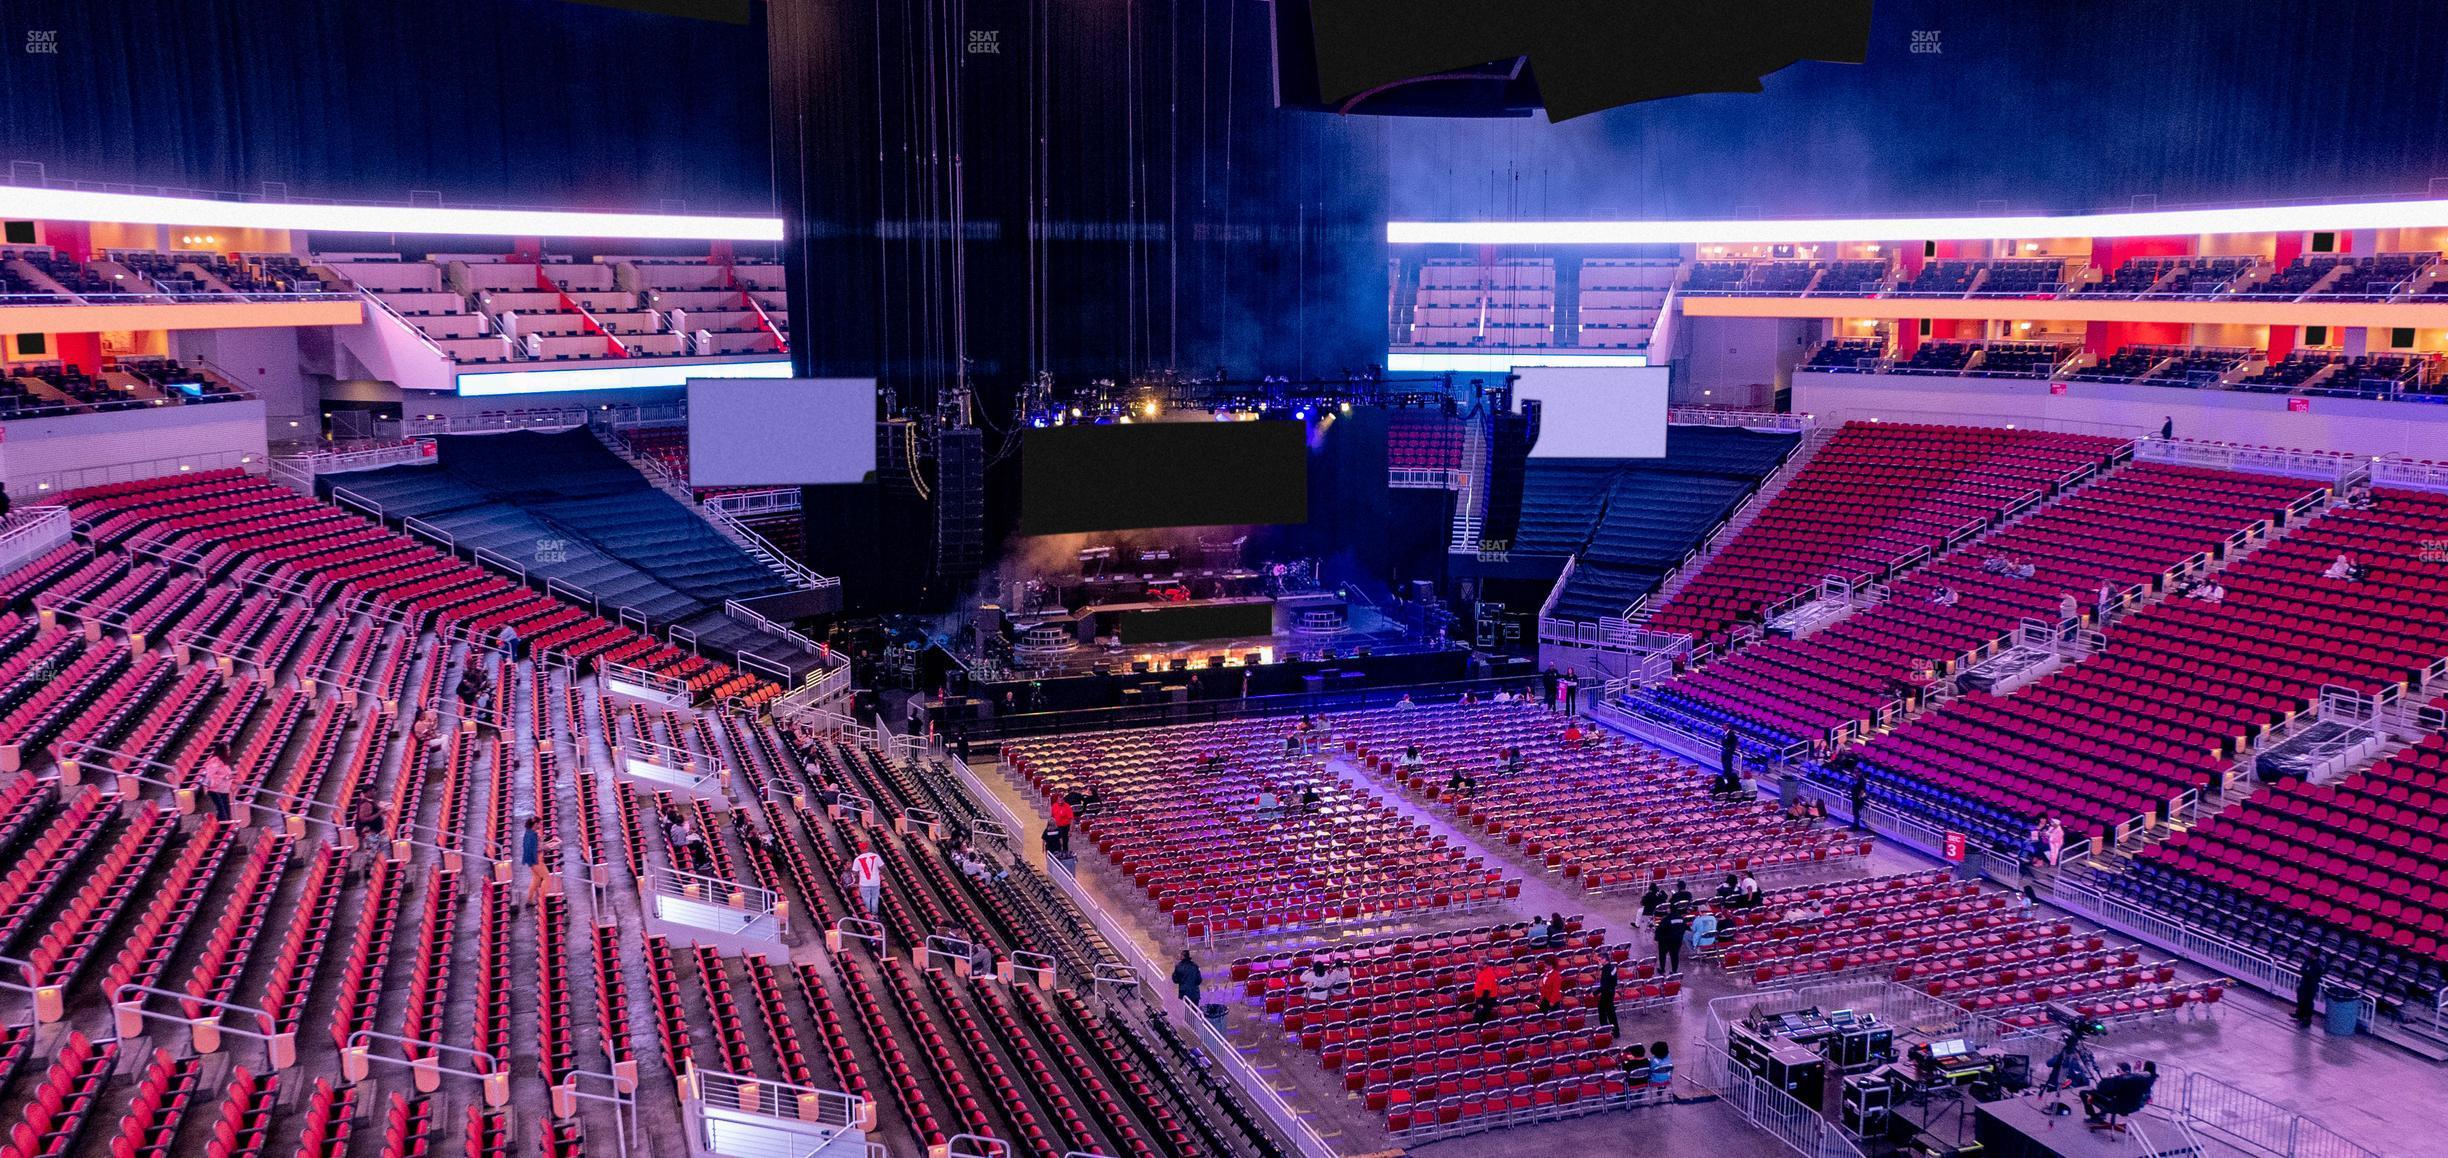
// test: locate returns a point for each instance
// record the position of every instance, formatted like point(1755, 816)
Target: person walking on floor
point(1670, 931)
point(867, 874)
point(219, 780)
point(1605, 998)
point(1860, 796)
point(2308, 985)
point(1186, 981)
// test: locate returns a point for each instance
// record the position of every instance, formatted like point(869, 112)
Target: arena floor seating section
point(1204, 820)
point(562, 506)
point(1877, 494)
point(1629, 521)
point(1967, 942)
point(1605, 814)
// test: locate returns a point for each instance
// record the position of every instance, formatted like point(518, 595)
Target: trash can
point(2345, 1012)
point(1215, 1014)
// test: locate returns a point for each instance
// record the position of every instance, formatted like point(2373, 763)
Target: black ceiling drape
point(515, 102)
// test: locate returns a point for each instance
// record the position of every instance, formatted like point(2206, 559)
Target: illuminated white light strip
point(1508, 361)
point(498, 382)
point(74, 205)
point(2173, 222)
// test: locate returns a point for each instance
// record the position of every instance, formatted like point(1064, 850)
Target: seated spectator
point(1538, 931)
point(1556, 929)
point(1636, 1066)
point(2210, 592)
point(1997, 564)
point(2023, 570)
point(2342, 567)
point(1406, 701)
point(1460, 783)
point(1704, 930)
point(1268, 803)
point(1573, 734)
point(1944, 597)
point(1727, 889)
point(1410, 760)
point(1318, 983)
point(1661, 1070)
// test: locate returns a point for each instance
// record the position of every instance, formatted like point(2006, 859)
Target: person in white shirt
point(1944, 597)
point(2210, 592)
point(2342, 567)
point(1317, 984)
point(867, 874)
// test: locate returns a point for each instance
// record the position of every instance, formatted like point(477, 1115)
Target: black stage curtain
point(1128, 197)
point(513, 102)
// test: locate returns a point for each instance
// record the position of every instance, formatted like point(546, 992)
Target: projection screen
point(1596, 411)
point(781, 431)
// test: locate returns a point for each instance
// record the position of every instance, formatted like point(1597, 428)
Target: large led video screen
point(1135, 476)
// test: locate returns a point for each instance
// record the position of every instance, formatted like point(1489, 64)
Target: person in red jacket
point(1551, 988)
point(1062, 816)
point(1484, 984)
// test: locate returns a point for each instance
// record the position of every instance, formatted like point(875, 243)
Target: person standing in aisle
point(219, 780)
point(1605, 998)
point(1186, 982)
point(1670, 930)
point(534, 850)
point(867, 873)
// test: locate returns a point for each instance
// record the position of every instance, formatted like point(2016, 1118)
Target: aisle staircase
point(1742, 518)
point(1470, 501)
point(743, 536)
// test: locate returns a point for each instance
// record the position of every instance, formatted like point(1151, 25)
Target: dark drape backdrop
point(520, 102)
point(1126, 197)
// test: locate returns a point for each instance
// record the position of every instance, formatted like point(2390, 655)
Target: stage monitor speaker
point(1216, 660)
point(1181, 663)
point(1423, 590)
point(1253, 658)
point(1140, 666)
point(1100, 669)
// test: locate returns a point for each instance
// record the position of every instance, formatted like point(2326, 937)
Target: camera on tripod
point(2078, 1025)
